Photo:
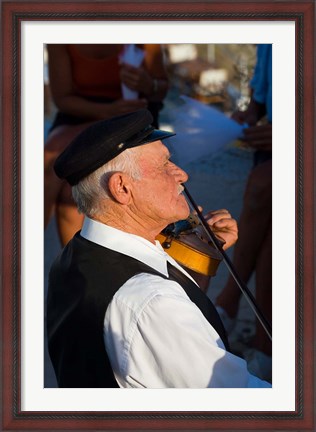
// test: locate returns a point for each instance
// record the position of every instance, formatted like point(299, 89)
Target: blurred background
point(216, 76)
point(213, 74)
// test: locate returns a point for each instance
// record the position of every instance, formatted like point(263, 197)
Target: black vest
point(82, 282)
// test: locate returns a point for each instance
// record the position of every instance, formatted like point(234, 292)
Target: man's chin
point(183, 214)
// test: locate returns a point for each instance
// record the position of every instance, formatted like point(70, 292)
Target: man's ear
point(119, 187)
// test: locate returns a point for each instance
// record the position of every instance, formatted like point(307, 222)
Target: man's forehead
point(153, 153)
point(156, 146)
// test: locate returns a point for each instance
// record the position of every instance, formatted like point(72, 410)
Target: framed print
point(27, 404)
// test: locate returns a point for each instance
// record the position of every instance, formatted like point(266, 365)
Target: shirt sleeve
point(169, 344)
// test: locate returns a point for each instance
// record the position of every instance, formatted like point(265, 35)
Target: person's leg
point(264, 293)
point(55, 144)
point(252, 227)
point(259, 357)
point(57, 195)
point(68, 219)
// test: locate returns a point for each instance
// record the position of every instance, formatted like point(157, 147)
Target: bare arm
point(67, 101)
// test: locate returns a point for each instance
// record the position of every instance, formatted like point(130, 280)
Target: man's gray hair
point(90, 193)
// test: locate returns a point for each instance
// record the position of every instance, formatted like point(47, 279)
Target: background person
point(253, 251)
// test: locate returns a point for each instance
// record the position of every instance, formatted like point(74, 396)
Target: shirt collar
point(128, 244)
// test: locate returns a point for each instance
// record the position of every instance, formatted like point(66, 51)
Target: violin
point(174, 240)
point(186, 243)
point(242, 286)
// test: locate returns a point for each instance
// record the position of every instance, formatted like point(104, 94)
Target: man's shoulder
point(141, 289)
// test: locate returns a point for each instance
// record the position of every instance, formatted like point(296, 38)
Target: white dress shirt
point(155, 336)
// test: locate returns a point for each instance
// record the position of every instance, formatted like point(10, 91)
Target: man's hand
point(223, 226)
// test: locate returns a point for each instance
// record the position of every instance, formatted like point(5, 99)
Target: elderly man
point(121, 312)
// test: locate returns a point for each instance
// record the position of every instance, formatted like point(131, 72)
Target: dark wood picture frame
point(13, 14)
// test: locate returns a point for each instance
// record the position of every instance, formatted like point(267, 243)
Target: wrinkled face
point(158, 194)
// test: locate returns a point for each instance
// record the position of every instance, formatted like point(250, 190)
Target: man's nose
point(180, 175)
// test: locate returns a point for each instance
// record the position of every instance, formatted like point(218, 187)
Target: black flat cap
point(103, 141)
